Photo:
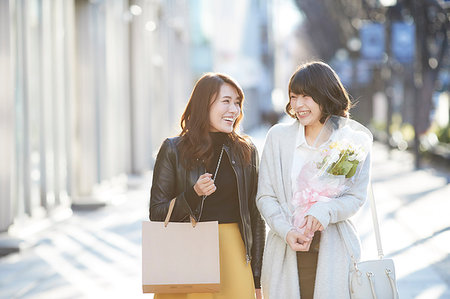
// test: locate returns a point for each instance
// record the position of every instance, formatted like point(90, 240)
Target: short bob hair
point(319, 81)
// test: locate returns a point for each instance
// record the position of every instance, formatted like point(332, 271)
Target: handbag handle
point(376, 227)
point(169, 213)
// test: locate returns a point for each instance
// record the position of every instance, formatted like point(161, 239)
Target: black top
point(223, 204)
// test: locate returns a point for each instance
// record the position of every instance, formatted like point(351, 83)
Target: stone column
point(6, 119)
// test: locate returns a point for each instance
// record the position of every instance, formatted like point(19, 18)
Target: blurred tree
point(333, 24)
point(323, 27)
point(432, 30)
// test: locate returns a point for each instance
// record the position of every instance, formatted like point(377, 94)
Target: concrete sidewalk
point(98, 254)
point(415, 228)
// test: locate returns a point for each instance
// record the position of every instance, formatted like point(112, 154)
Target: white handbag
point(373, 279)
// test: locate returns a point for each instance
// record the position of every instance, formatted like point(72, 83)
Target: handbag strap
point(172, 202)
point(169, 213)
point(376, 228)
point(213, 178)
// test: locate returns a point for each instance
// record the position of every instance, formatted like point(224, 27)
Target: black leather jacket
point(171, 179)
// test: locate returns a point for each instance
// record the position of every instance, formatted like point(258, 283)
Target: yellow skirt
point(236, 278)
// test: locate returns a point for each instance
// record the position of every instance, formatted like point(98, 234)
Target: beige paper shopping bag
point(180, 257)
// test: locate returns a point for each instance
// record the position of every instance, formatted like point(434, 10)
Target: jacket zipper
point(240, 211)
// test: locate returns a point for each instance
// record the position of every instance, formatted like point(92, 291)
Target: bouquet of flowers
point(334, 167)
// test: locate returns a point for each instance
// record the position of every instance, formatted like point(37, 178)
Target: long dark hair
point(196, 144)
point(319, 81)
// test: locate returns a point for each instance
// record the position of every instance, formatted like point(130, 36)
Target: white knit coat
point(279, 271)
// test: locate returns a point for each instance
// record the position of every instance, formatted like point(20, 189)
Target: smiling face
point(225, 109)
point(321, 83)
point(307, 111)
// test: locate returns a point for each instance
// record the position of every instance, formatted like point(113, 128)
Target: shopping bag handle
point(169, 213)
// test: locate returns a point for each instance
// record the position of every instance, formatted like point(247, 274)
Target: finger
point(206, 185)
point(301, 238)
point(211, 190)
point(308, 225)
point(319, 227)
point(302, 247)
point(207, 192)
point(307, 246)
point(201, 184)
point(205, 188)
point(303, 224)
point(291, 240)
point(206, 175)
point(205, 180)
point(289, 235)
point(296, 246)
point(316, 225)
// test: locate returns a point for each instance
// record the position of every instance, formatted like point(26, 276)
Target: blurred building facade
point(90, 88)
point(88, 95)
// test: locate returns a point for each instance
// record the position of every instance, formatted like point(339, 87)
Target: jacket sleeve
point(258, 225)
point(164, 187)
point(266, 198)
point(345, 206)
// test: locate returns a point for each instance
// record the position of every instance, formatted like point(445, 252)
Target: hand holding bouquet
point(334, 168)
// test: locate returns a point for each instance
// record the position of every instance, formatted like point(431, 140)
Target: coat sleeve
point(266, 198)
point(258, 225)
point(164, 187)
point(345, 206)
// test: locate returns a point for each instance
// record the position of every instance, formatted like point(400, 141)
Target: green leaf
point(346, 167)
point(353, 169)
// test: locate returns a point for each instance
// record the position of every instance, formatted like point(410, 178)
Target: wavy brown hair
point(196, 144)
point(319, 81)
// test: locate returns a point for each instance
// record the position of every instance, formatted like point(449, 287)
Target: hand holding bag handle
point(172, 202)
point(359, 287)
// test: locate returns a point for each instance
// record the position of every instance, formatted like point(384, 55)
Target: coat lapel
point(287, 156)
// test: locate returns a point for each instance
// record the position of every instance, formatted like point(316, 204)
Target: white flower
point(334, 155)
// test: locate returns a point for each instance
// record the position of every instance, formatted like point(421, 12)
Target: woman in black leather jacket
point(209, 145)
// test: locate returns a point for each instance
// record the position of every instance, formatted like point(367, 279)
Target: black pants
point(307, 267)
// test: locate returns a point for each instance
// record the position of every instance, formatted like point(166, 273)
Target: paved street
point(96, 254)
point(415, 227)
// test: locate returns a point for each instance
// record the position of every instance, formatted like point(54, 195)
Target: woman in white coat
point(308, 261)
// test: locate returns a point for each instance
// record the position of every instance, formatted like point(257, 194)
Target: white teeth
point(228, 119)
point(303, 112)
